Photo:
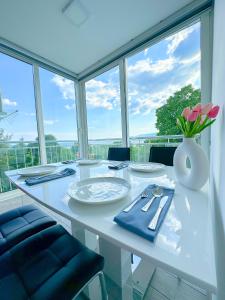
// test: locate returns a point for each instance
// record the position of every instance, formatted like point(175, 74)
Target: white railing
point(15, 155)
point(140, 147)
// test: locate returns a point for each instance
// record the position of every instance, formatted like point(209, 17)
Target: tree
point(167, 114)
point(4, 159)
point(50, 139)
point(4, 138)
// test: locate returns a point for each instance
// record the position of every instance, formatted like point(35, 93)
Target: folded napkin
point(45, 178)
point(137, 221)
point(119, 166)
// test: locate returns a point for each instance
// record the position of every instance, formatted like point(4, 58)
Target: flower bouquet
point(193, 121)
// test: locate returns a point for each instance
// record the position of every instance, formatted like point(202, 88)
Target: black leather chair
point(48, 265)
point(20, 223)
point(164, 155)
point(119, 154)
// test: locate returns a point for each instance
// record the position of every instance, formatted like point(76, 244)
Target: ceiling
point(98, 27)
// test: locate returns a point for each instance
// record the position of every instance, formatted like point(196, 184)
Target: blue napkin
point(119, 166)
point(45, 178)
point(137, 221)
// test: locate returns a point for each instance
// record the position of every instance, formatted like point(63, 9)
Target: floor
point(163, 286)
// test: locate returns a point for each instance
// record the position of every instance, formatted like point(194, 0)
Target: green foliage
point(190, 129)
point(167, 114)
point(4, 138)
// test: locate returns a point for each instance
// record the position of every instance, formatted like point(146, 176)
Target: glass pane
point(162, 80)
point(18, 129)
point(103, 113)
point(59, 113)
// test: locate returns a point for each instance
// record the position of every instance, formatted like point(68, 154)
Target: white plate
point(147, 168)
point(99, 190)
point(88, 162)
point(38, 170)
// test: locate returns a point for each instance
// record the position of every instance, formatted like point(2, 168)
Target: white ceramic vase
point(196, 176)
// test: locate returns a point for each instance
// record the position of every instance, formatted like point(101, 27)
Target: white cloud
point(191, 60)
point(102, 94)
point(194, 78)
point(161, 66)
point(70, 107)
point(147, 102)
point(142, 101)
point(65, 86)
point(146, 51)
point(106, 94)
point(177, 38)
point(157, 67)
point(50, 122)
point(9, 102)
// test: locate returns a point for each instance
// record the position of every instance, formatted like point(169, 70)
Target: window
point(161, 80)
point(169, 68)
point(18, 128)
point(59, 114)
point(103, 113)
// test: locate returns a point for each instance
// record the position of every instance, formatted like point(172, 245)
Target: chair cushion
point(119, 154)
point(20, 223)
point(48, 265)
point(162, 155)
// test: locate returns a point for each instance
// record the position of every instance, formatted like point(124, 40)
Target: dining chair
point(50, 264)
point(19, 223)
point(119, 154)
point(162, 154)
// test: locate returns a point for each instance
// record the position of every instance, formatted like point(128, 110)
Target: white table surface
point(184, 245)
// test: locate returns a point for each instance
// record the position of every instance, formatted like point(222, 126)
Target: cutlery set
point(156, 193)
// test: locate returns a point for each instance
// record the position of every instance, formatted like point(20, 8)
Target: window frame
point(204, 17)
point(38, 100)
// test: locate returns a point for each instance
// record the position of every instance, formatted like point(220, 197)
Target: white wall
point(218, 145)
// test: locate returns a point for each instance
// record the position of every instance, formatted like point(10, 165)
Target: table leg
point(142, 276)
point(93, 291)
point(211, 296)
point(117, 271)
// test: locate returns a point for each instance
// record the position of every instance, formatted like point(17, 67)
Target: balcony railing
point(16, 155)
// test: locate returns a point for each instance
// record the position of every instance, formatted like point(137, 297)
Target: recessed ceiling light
point(75, 12)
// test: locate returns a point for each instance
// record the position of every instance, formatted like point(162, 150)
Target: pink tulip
point(213, 112)
point(198, 108)
point(186, 112)
point(193, 116)
point(206, 108)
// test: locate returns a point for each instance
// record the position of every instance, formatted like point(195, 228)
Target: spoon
point(157, 192)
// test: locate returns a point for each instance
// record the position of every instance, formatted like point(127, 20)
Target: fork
point(157, 192)
point(143, 195)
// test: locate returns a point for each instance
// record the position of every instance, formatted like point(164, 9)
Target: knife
point(153, 224)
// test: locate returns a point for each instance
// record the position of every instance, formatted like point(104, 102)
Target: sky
point(153, 75)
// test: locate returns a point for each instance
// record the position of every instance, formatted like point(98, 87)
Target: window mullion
point(124, 103)
point(39, 115)
point(206, 69)
point(82, 119)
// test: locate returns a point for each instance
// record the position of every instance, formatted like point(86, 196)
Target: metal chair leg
point(103, 286)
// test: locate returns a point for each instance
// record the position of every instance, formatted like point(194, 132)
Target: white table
point(184, 245)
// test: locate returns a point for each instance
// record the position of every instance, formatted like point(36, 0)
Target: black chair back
point(120, 154)
point(163, 155)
